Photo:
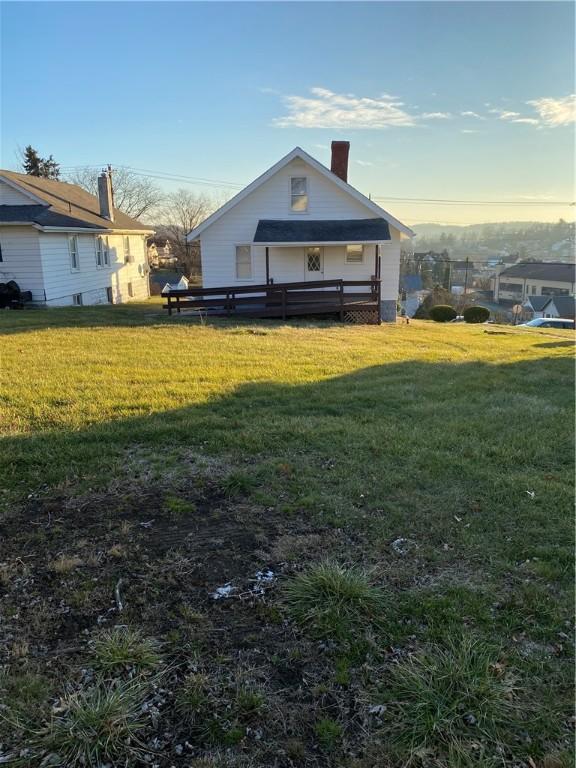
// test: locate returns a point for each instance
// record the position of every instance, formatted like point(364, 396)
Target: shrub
point(442, 313)
point(447, 698)
point(123, 647)
point(476, 314)
point(333, 601)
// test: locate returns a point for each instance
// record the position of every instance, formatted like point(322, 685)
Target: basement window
point(77, 299)
point(354, 254)
point(1, 257)
point(299, 194)
point(243, 262)
point(130, 290)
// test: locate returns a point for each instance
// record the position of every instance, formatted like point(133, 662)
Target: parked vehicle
point(549, 322)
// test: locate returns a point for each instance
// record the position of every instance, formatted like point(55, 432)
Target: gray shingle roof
point(564, 304)
point(66, 205)
point(321, 231)
point(556, 271)
point(538, 302)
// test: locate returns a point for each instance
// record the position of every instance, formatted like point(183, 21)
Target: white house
point(300, 221)
point(521, 281)
point(67, 246)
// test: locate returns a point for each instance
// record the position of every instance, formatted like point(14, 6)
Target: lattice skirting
point(362, 316)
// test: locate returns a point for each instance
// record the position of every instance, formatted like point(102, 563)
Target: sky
point(458, 101)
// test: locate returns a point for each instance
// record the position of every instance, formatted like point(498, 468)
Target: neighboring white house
point(67, 246)
point(301, 221)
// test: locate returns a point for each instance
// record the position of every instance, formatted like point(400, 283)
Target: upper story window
point(354, 254)
point(243, 262)
point(299, 194)
point(73, 252)
point(127, 254)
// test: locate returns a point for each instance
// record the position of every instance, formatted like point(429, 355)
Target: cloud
point(326, 109)
point(514, 117)
point(468, 130)
point(469, 113)
point(436, 116)
point(555, 112)
point(364, 162)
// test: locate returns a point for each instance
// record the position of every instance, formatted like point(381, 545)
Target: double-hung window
point(243, 262)
point(73, 252)
point(127, 254)
point(354, 254)
point(299, 194)
point(102, 254)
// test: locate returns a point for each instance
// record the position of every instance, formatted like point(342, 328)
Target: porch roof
point(315, 232)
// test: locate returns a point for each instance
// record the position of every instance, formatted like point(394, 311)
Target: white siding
point(21, 259)
point(272, 201)
point(11, 196)
point(62, 282)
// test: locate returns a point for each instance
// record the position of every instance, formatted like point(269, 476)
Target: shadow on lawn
point(404, 416)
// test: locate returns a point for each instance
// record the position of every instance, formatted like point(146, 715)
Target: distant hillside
point(531, 239)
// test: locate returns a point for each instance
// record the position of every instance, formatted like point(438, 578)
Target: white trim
point(23, 190)
point(298, 152)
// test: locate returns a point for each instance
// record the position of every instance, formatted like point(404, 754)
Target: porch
point(350, 300)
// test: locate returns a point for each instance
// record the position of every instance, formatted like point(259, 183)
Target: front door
point(313, 263)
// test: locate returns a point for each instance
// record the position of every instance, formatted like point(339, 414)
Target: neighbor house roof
point(411, 283)
point(566, 305)
point(62, 205)
point(322, 231)
point(557, 271)
point(298, 152)
point(537, 302)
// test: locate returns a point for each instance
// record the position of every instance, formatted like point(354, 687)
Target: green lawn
point(435, 461)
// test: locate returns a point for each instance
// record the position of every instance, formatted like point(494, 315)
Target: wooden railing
point(279, 299)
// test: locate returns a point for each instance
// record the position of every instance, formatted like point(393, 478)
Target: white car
point(550, 322)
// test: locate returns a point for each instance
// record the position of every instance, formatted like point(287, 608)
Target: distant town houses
point(516, 284)
point(160, 252)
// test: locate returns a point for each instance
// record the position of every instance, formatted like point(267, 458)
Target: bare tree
point(182, 211)
point(133, 194)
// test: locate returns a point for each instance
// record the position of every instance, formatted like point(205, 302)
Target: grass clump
point(446, 699)
point(193, 696)
point(328, 733)
point(24, 701)
point(332, 601)
point(124, 647)
point(98, 725)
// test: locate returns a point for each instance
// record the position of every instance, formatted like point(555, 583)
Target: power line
point(169, 176)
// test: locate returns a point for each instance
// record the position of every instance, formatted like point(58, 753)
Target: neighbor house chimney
point(105, 196)
point(339, 165)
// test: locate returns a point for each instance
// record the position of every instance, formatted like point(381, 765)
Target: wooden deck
point(350, 300)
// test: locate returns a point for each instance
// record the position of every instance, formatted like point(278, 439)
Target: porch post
point(267, 267)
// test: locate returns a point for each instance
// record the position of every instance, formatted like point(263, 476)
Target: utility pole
point(466, 277)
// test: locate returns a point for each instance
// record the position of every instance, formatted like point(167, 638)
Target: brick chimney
point(339, 165)
point(105, 196)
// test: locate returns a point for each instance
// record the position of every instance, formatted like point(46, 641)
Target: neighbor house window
point(73, 251)
point(299, 194)
point(109, 297)
point(550, 291)
point(243, 262)
point(127, 254)
point(77, 299)
point(354, 254)
point(102, 259)
point(130, 290)
point(1, 257)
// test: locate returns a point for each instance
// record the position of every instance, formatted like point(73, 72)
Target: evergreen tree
point(32, 162)
point(34, 165)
